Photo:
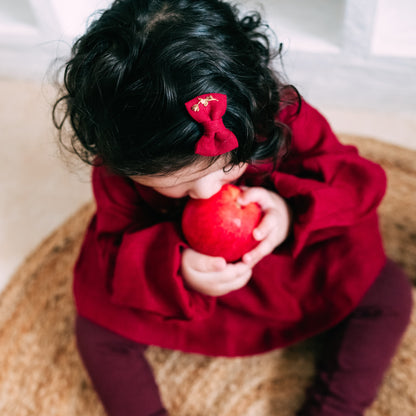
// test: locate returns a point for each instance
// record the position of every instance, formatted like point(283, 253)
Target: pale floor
point(38, 190)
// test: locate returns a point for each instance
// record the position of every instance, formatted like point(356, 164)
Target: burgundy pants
point(356, 354)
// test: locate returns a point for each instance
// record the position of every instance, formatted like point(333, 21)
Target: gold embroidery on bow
point(203, 101)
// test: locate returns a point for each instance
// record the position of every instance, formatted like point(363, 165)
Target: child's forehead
point(182, 176)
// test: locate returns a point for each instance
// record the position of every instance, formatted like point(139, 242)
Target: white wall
point(354, 59)
point(358, 54)
point(34, 32)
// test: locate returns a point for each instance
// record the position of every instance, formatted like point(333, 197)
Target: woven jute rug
point(41, 373)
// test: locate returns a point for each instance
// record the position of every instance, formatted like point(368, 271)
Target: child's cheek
point(235, 173)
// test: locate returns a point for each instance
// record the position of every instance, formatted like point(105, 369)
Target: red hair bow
point(208, 110)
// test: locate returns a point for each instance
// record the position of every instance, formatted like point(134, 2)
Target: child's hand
point(213, 276)
point(275, 226)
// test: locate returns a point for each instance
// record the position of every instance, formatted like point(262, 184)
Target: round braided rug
point(41, 373)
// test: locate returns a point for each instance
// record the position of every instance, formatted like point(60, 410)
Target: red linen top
point(127, 277)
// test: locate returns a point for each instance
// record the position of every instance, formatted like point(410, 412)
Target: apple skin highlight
point(220, 226)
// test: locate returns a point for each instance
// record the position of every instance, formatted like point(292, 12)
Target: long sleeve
point(127, 277)
point(328, 185)
point(139, 254)
point(334, 251)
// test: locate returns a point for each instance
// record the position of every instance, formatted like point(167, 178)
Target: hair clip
point(203, 101)
point(208, 110)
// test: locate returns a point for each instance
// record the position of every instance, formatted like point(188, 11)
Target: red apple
point(220, 226)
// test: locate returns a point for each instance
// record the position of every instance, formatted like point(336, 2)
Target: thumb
point(256, 195)
point(205, 263)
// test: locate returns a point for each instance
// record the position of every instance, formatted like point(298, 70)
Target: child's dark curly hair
point(132, 72)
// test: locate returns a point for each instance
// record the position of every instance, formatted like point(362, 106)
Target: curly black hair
point(131, 73)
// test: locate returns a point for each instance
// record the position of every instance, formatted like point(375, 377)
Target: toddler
point(170, 100)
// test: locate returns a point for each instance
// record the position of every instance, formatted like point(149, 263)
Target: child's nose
point(204, 189)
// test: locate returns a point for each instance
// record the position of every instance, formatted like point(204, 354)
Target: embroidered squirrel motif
point(203, 101)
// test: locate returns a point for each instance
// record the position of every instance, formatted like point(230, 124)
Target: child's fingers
point(204, 263)
point(233, 277)
point(266, 226)
point(264, 248)
point(211, 264)
point(234, 271)
point(237, 282)
point(256, 194)
point(230, 272)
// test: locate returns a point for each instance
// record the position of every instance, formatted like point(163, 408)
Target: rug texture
point(41, 373)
